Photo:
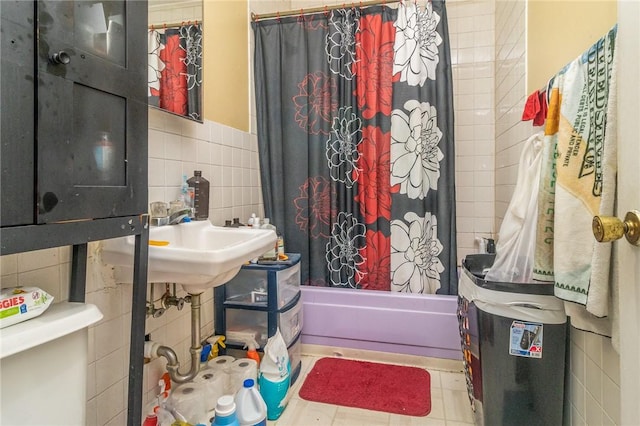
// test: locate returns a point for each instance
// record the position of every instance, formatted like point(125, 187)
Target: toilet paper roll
point(187, 401)
point(240, 370)
point(222, 362)
point(214, 382)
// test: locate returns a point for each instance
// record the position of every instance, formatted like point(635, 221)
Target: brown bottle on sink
point(201, 195)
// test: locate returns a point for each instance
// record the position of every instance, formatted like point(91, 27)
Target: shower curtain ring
point(326, 11)
point(278, 16)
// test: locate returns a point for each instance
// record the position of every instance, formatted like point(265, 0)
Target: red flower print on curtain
point(315, 103)
point(374, 65)
point(378, 264)
point(374, 184)
point(313, 207)
point(173, 85)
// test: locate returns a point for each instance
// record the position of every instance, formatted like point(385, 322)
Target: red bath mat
point(369, 385)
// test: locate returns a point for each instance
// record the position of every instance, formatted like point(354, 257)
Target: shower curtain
point(175, 70)
point(355, 139)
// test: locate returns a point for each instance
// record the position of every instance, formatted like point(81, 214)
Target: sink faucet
point(177, 216)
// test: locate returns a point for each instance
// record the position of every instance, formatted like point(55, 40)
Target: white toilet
point(43, 367)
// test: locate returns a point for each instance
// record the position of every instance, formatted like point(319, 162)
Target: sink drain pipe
point(155, 350)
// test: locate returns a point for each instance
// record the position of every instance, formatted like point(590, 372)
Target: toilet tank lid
point(57, 321)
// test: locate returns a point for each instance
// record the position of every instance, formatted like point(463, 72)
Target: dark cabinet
point(74, 110)
point(17, 117)
point(73, 139)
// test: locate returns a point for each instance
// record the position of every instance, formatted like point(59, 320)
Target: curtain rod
point(256, 17)
point(173, 25)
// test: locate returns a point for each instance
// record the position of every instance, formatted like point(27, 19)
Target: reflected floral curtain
point(175, 70)
point(355, 138)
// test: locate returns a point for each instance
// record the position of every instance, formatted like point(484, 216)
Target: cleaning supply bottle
point(272, 253)
point(482, 245)
point(216, 341)
point(250, 407)
point(253, 221)
point(186, 193)
point(225, 414)
point(200, 195)
point(274, 378)
point(252, 353)
point(280, 243)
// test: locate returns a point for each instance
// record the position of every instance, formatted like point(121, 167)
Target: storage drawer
point(295, 353)
point(290, 322)
point(247, 322)
point(251, 286)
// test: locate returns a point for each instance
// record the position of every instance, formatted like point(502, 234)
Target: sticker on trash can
point(525, 339)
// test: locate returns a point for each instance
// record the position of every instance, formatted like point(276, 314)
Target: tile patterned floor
point(449, 401)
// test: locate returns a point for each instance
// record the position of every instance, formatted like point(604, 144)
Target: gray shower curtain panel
point(356, 145)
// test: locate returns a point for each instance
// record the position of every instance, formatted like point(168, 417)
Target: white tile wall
point(511, 132)
point(227, 157)
point(471, 35)
point(594, 381)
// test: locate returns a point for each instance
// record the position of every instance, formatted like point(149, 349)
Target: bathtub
point(424, 325)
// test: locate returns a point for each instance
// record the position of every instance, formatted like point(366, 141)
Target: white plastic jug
point(250, 407)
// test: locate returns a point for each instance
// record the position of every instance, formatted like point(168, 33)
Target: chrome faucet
point(179, 215)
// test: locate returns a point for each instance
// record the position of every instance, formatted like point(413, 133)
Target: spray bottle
point(215, 341)
point(252, 353)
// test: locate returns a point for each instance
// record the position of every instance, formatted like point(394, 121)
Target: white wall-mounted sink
point(198, 255)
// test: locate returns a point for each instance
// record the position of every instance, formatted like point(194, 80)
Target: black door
point(91, 109)
point(17, 102)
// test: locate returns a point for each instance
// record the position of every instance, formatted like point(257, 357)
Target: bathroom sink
point(198, 255)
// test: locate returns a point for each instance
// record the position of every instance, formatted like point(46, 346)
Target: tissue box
point(19, 304)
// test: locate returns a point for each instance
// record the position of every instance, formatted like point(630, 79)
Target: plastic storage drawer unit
point(256, 323)
point(251, 285)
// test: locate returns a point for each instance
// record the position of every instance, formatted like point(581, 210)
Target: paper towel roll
point(215, 384)
point(221, 362)
point(187, 400)
point(240, 370)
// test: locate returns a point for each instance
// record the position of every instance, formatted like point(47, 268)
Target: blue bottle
point(225, 412)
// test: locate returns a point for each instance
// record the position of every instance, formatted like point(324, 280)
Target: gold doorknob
point(606, 228)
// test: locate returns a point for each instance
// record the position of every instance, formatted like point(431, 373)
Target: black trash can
point(513, 338)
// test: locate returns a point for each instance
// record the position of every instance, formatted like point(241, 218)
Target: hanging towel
point(599, 292)
point(535, 108)
point(543, 258)
point(581, 271)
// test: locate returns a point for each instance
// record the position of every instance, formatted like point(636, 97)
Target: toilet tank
point(43, 365)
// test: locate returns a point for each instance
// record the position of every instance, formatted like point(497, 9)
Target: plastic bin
point(250, 286)
point(513, 338)
point(256, 323)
